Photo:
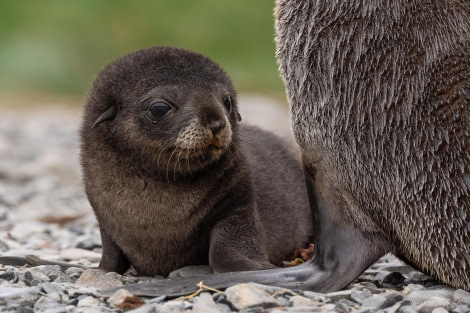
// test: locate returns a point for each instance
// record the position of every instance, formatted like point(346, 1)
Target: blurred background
point(50, 51)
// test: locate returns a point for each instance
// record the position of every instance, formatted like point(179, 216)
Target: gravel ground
point(44, 212)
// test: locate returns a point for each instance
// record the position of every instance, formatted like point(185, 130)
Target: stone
point(341, 307)
point(8, 275)
point(315, 296)
point(19, 292)
point(170, 307)
point(338, 295)
point(224, 308)
point(78, 290)
point(432, 303)
point(204, 303)
point(99, 279)
point(53, 275)
point(376, 301)
point(88, 301)
point(45, 268)
point(408, 309)
point(301, 309)
point(394, 278)
point(54, 292)
point(418, 296)
point(74, 270)
point(303, 301)
point(350, 304)
point(90, 243)
point(360, 296)
point(462, 297)
point(461, 309)
point(244, 296)
point(156, 300)
point(3, 214)
point(33, 278)
point(63, 279)
point(147, 308)
point(119, 297)
point(393, 296)
point(45, 304)
point(394, 308)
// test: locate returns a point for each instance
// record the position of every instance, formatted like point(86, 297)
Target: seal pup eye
point(228, 103)
point(159, 108)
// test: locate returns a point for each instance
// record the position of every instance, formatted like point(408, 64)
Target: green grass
point(57, 47)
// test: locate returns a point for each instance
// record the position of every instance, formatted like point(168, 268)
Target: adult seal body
point(380, 101)
point(173, 178)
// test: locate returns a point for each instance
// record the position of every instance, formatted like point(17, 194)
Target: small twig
point(35, 261)
point(202, 287)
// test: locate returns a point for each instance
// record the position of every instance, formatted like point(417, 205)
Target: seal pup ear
point(239, 117)
point(109, 114)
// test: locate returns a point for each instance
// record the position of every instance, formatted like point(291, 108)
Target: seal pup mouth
point(198, 142)
point(212, 149)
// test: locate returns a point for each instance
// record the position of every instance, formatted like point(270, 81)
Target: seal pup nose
point(216, 125)
point(213, 118)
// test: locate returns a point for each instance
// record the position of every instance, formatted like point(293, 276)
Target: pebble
point(119, 297)
point(462, 297)
point(245, 296)
point(205, 304)
point(44, 211)
point(99, 279)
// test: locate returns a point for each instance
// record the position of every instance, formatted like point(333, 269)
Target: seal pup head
point(173, 106)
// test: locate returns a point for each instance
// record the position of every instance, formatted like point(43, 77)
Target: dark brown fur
point(192, 187)
point(380, 95)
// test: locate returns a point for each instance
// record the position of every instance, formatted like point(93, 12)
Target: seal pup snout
point(209, 131)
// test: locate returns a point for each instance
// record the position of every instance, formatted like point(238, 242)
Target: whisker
point(168, 166)
point(187, 163)
point(179, 161)
point(174, 167)
point(164, 149)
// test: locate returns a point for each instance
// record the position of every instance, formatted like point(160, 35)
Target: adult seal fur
point(380, 103)
point(173, 178)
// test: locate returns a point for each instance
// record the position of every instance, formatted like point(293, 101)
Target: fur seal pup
point(380, 106)
point(173, 178)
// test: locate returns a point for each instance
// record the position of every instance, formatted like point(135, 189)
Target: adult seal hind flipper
point(380, 107)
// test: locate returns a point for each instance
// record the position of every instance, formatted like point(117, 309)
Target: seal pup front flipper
point(113, 258)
